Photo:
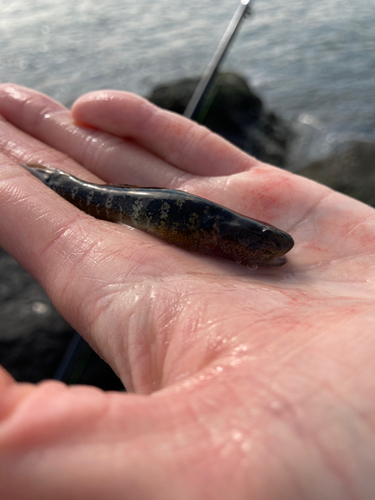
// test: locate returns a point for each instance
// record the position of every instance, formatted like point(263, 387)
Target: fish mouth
point(275, 262)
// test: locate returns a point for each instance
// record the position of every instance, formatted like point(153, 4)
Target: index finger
point(175, 139)
point(113, 159)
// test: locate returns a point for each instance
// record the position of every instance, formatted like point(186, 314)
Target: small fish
point(182, 219)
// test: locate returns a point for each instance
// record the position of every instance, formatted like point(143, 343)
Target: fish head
point(249, 241)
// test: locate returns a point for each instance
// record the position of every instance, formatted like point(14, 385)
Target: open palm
point(247, 383)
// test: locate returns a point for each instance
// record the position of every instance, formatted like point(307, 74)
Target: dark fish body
point(177, 217)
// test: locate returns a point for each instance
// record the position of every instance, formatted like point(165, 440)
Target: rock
point(351, 171)
point(235, 112)
point(34, 337)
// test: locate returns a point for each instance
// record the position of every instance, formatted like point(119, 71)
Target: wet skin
point(241, 385)
point(182, 219)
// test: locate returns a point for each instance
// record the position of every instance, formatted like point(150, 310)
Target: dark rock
point(235, 112)
point(34, 337)
point(351, 171)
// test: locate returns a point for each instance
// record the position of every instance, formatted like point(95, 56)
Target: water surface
point(313, 62)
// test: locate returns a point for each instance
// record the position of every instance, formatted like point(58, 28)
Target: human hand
point(248, 384)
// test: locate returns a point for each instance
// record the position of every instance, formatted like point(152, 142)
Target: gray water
point(312, 61)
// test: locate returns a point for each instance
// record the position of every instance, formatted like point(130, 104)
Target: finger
point(77, 442)
point(173, 138)
point(21, 147)
point(59, 442)
point(111, 158)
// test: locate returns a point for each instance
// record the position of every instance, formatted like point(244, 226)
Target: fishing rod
point(197, 100)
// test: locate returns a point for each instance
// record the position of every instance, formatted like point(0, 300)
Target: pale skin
point(242, 384)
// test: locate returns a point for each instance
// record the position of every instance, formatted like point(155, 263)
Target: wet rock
point(351, 171)
point(235, 112)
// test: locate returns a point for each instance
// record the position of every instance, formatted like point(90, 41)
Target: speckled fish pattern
point(179, 218)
